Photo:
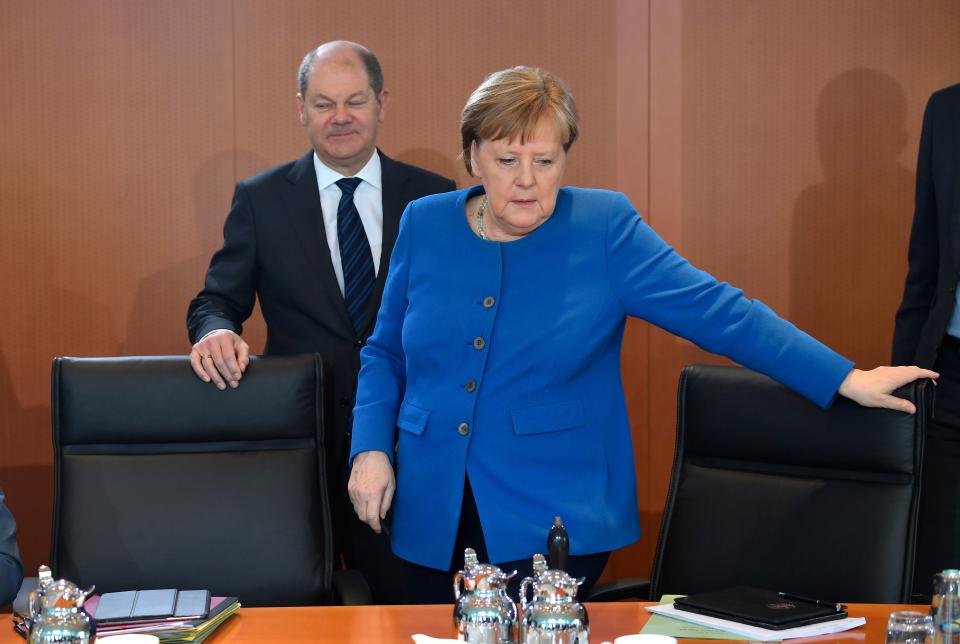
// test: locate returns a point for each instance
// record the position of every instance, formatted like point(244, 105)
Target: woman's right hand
point(371, 487)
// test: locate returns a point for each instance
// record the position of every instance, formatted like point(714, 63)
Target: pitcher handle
point(524, 591)
point(457, 579)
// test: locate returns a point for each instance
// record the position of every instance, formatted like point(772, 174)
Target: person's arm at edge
point(11, 568)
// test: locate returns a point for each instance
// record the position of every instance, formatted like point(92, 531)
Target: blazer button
point(471, 386)
point(479, 342)
point(489, 301)
point(463, 429)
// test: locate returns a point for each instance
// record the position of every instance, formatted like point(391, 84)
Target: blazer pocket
point(554, 417)
point(412, 419)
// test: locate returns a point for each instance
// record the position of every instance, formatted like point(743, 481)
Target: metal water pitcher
point(552, 614)
point(61, 617)
point(483, 613)
point(34, 605)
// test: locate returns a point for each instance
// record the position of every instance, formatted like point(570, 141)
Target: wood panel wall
point(772, 142)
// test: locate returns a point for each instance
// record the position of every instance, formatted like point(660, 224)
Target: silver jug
point(483, 613)
point(34, 601)
point(61, 618)
point(553, 615)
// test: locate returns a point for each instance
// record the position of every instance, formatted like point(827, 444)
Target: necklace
point(480, 211)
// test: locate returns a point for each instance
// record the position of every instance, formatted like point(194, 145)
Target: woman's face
point(521, 179)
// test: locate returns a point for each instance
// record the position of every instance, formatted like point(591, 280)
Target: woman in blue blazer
point(497, 351)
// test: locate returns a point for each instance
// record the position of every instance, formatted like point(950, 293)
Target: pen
point(797, 598)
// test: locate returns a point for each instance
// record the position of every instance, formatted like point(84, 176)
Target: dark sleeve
point(229, 290)
point(11, 568)
point(923, 255)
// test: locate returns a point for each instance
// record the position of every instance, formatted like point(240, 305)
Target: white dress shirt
point(368, 198)
point(953, 327)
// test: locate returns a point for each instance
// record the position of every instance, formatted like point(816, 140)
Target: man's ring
point(208, 356)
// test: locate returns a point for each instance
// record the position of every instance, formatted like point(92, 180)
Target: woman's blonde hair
point(510, 103)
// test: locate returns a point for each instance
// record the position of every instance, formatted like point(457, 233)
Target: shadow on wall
point(42, 318)
point(157, 321)
point(849, 234)
point(436, 162)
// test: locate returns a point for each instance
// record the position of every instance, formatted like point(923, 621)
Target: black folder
point(764, 608)
point(152, 605)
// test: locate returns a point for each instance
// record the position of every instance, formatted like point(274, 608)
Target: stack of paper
point(756, 633)
point(171, 631)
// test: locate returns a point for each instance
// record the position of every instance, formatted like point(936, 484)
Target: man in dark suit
point(927, 331)
point(312, 239)
point(11, 568)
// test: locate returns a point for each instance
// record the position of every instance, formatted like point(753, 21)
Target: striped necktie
point(355, 256)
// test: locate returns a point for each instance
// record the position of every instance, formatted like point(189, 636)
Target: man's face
point(340, 111)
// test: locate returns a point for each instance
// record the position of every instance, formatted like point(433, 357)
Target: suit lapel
point(393, 180)
point(303, 206)
point(955, 204)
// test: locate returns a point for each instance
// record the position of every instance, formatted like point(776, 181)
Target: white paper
point(426, 639)
point(755, 632)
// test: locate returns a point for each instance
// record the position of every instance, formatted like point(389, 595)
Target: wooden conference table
point(375, 624)
point(368, 624)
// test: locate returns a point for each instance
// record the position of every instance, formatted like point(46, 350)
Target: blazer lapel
point(955, 205)
point(393, 180)
point(306, 215)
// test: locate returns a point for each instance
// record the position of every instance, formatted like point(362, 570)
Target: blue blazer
point(501, 362)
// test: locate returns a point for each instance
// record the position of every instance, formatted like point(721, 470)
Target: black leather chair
point(163, 481)
point(769, 490)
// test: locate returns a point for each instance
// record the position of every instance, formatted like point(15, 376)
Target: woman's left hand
point(873, 388)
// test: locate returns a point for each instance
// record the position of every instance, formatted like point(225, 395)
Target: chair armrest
point(630, 588)
point(350, 588)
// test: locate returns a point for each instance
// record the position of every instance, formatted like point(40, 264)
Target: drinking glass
point(944, 583)
point(945, 607)
point(910, 627)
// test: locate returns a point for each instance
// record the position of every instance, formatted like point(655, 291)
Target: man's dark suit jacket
point(930, 291)
point(275, 248)
point(11, 568)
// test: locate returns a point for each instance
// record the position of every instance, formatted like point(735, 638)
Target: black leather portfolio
point(764, 608)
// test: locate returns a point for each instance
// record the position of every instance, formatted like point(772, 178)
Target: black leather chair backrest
point(769, 490)
point(163, 481)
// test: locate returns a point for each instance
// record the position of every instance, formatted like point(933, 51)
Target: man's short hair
point(367, 57)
